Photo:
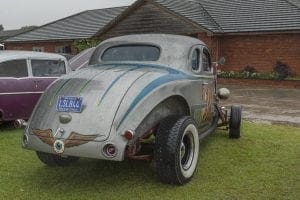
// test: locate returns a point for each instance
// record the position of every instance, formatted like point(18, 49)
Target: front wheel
point(235, 122)
point(176, 150)
point(56, 160)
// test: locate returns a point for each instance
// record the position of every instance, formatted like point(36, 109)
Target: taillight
point(128, 135)
point(110, 150)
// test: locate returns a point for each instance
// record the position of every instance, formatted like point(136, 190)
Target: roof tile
point(79, 26)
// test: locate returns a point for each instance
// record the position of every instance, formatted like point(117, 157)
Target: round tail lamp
point(110, 150)
point(128, 135)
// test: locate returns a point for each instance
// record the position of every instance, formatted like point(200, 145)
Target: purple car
point(24, 76)
point(81, 60)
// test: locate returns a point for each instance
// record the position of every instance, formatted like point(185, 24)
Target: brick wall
point(260, 51)
point(213, 43)
point(269, 83)
point(48, 46)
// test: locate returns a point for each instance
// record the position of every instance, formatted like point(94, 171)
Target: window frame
point(128, 45)
point(195, 48)
point(42, 59)
point(209, 61)
point(61, 49)
point(27, 68)
point(100, 49)
point(39, 48)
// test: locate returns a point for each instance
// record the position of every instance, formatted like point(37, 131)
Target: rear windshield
point(131, 53)
point(48, 68)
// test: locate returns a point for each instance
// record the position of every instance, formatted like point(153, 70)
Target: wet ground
point(266, 104)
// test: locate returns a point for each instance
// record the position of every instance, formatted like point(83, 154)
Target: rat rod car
point(150, 97)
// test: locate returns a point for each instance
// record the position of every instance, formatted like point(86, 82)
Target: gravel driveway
point(267, 104)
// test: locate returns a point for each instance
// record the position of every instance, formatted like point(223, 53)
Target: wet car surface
point(135, 88)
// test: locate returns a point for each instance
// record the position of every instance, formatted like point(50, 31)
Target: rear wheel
point(176, 150)
point(56, 160)
point(235, 122)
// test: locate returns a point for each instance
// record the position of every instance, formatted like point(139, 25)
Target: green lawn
point(263, 164)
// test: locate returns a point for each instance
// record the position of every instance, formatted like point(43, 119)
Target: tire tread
point(166, 144)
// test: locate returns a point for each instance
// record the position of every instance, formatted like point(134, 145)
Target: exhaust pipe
point(19, 123)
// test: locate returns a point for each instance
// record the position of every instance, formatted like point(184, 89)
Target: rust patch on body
point(208, 98)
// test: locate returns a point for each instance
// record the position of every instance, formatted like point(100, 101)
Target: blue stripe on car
point(150, 87)
point(114, 82)
point(62, 86)
point(90, 80)
point(140, 65)
point(173, 75)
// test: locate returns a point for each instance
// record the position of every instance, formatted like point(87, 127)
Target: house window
point(63, 49)
point(18, 48)
point(38, 49)
point(14, 68)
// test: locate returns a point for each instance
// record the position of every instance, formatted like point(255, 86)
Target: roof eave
point(38, 41)
point(138, 4)
point(263, 32)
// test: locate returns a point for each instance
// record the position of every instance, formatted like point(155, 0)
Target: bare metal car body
point(126, 97)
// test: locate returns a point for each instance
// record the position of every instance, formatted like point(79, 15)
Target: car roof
point(160, 39)
point(175, 49)
point(11, 55)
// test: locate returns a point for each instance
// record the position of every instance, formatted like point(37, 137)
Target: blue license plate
point(69, 104)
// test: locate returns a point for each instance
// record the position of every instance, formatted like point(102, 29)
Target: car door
point(208, 86)
point(201, 67)
point(15, 90)
point(45, 71)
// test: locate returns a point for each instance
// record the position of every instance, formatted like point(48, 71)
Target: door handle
point(37, 82)
point(204, 83)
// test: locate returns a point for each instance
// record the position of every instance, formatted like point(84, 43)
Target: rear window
point(14, 68)
point(48, 68)
point(131, 53)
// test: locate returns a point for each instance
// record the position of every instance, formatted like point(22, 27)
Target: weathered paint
point(119, 96)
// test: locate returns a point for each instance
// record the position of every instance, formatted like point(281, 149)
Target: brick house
point(5, 34)
point(59, 36)
point(254, 33)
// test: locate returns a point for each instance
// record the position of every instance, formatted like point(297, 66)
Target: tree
point(1, 27)
point(83, 44)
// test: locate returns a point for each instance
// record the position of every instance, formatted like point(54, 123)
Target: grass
point(263, 164)
point(295, 78)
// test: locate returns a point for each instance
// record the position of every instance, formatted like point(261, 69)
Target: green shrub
point(83, 44)
point(247, 75)
point(282, 70)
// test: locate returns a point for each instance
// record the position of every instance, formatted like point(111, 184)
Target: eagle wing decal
point(45, 136)
point(76, 139)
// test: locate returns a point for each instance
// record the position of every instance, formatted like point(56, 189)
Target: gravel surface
point(266, 104)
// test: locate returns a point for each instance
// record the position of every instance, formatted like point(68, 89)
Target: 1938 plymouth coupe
point(149, 97)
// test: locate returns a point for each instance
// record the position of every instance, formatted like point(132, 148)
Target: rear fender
point(174, 105)
point(174, 98)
